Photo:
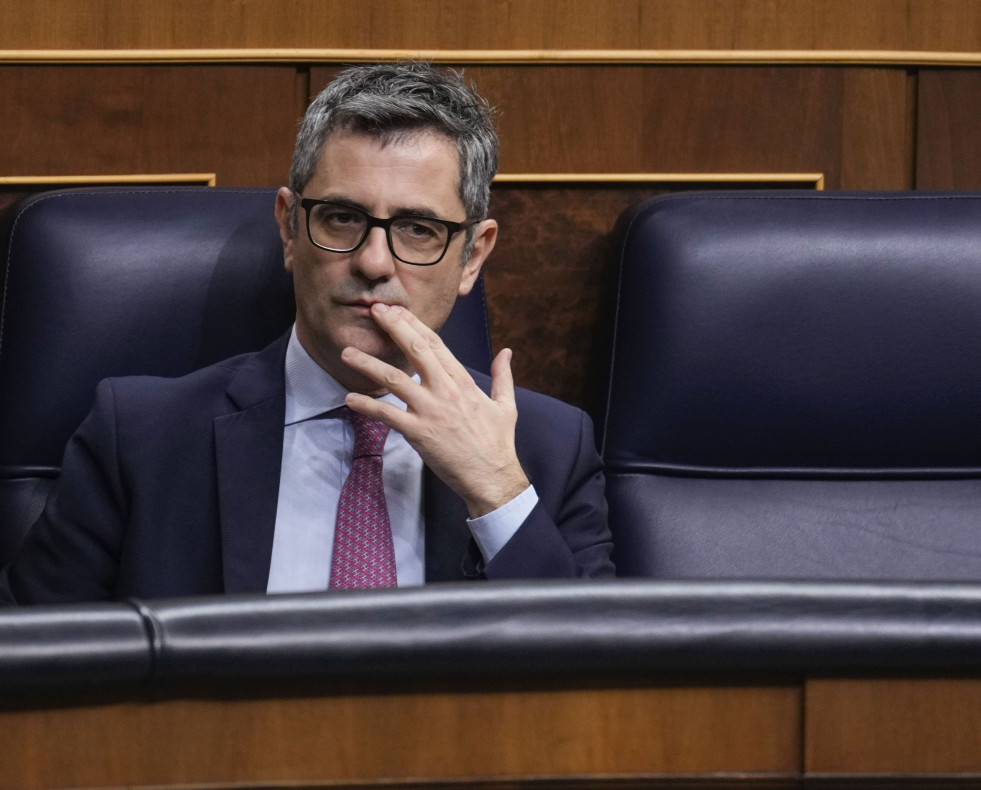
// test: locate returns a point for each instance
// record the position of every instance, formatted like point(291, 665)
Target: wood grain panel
point(741, 732)
point(238, 122)
point(574, 119)
point(953, 25)
point(778, 24)
point(897, 727)
point(545, 283)
point(505, 24)
point(877, 130)
point(855, 125)
point(948, 146)
point(941, 25)
point(753, 119)
point(699, 119)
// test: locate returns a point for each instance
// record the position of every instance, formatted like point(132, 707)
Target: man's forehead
point(407, 140)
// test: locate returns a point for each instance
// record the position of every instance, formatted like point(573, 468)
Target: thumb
point(502, 382)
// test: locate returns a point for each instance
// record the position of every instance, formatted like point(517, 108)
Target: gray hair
point(391, 100)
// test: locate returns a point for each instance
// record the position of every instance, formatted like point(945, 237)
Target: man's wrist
point(495, 529)
point(498, 495)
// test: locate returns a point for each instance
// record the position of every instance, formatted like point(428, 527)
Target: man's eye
point(340, 217)
point(417, 229)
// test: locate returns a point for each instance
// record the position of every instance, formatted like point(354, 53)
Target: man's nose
point(373, 258)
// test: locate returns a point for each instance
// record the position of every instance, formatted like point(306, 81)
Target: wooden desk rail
point(848, 732)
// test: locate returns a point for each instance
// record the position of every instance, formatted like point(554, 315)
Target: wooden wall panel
point(559, 119)
point(753, 119)
point(238, 122)
point(941, 25)
point(779, 24)
point(878, 129)
point(546, 283)
point(740, 733)
point(948, 145)
point(953, 25)
point(852, 124)
point(900, 727)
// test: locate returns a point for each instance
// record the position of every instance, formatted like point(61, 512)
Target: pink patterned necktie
point(363, 552)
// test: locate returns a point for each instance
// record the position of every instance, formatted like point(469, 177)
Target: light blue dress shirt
point(317, 456)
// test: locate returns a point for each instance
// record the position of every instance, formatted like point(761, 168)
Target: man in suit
point(219, 481)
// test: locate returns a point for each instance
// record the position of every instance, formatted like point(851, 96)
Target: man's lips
point(363, 306)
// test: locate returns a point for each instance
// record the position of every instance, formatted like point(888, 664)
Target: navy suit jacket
point(170, 488)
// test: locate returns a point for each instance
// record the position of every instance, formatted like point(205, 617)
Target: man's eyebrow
point(416, 212)
point(412, 211)
point(343, 201)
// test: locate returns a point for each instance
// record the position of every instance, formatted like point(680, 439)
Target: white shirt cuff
point(494, 529)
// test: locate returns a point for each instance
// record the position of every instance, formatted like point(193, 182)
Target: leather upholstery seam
point(792, 473)
point(154, 636)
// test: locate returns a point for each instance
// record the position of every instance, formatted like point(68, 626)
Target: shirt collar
point(311, 390)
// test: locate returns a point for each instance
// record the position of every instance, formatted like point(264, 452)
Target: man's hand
point(466, 438)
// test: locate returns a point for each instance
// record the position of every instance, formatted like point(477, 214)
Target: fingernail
point(381, 307)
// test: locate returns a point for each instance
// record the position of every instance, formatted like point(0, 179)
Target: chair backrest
point(120, 281)
point(795, 387)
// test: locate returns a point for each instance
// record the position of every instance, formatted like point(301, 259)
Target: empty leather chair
point(121, 281)
point(795, 387)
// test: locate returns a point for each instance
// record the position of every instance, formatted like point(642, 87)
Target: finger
point(420, 344)
point(388, 413)
point(502, 380)
point(386, 376)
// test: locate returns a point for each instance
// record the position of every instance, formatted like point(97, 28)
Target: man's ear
point(284, 200)
point(485, 237)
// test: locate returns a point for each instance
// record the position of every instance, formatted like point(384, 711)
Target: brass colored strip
point(472, 56)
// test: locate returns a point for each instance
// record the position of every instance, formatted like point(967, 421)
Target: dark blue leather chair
point(119, 281)
point(795, 388)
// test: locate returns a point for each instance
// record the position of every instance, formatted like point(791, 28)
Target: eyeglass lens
point(413, 239)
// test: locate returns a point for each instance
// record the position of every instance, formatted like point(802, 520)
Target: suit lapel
point(248, 452)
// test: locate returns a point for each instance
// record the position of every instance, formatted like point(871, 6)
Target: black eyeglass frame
point(386, 224)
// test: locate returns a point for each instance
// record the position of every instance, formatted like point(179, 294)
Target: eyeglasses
point(420, 241)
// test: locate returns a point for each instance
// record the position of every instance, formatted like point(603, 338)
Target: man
point(254, 474)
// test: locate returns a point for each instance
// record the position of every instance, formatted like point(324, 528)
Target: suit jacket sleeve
point(72, 552)
point(567, 534)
